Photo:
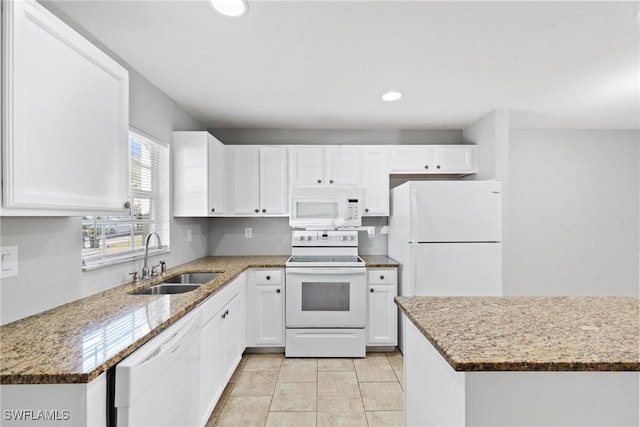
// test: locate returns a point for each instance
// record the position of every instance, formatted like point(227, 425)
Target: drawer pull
point(371, 290)
point(268, 277)
point(277, 291)
point(381, 277)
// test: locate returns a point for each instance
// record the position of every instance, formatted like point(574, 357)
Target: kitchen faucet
point(145, 268)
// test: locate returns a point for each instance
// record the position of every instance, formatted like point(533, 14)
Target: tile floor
point(270, 390)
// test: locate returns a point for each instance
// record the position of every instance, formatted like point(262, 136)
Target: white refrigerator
point(446, 235)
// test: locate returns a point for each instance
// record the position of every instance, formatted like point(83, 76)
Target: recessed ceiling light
point(391, 96)
point(230, 7)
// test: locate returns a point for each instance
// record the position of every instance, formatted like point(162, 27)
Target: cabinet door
point(306, 165)
point(343, 166)
point(274, 192)
point(269, 315)
point(65, 107)
point(454, 158)
point(232, 341)
point(382, 319)
point(375, 180)
point(190, 174)
point(244, 175)
point(211, 381)
point(411, 158)
point(217, 182)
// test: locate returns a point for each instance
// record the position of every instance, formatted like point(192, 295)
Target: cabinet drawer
point(382, 277)
point(268, 277)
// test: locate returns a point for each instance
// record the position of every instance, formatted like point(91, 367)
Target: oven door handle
point(326, 271)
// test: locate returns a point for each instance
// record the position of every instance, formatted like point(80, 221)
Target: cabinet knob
point(366, 209)
point(381, 277)
point(426, 166)
point(257, 210)
point(371, 290)
point(319, 181)
point(277, 291)
point(224, 315)
point(127, 205)
point(226, 312)
point(268, 277)
point(264, 210)
point(438, 167)
point(330, 181)
point(213, 209)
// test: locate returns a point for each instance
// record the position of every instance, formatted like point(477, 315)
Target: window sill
point(107, 262)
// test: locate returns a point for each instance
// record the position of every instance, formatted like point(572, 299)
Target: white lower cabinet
point(222, 342)
point(265, 308)
point(69, 405)
point(382, 313)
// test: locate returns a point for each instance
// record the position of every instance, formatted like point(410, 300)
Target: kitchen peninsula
point(515, 361)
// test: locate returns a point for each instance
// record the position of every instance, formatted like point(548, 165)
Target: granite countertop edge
point(31, 375)
point(461, 364)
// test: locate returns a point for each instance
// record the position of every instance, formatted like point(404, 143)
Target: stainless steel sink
point(199, 278)
point(168, 289)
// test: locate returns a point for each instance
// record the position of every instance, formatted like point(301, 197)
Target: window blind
point(108, 239)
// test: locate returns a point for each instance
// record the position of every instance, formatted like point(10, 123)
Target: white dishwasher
point(158, 384)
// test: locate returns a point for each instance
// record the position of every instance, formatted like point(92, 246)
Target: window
point(110, 239)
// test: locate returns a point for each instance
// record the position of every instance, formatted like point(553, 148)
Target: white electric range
point(325, 295)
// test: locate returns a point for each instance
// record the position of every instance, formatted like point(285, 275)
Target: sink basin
point(199, 278)
point(167, 289)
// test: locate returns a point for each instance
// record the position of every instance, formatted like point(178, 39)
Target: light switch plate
point(9, 261)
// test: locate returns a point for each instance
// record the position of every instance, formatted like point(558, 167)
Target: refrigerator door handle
point(413, 273)
point(413, 219)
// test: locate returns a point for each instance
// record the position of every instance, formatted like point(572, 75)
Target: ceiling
point(324, 64)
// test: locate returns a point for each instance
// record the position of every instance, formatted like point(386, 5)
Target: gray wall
point(272, 236)
point(50, 262)
point(573, 213)
point(336, 136)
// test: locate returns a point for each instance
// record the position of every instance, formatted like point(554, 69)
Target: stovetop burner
point(333, 248)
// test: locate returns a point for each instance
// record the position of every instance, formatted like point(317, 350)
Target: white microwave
point(326, 207)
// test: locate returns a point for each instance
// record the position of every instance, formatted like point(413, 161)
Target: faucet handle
point(154, 270)
point(134, 279)
point(163, 267)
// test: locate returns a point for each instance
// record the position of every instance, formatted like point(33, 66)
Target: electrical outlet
point(9, 261)
point(189, 235)
point(248, 233)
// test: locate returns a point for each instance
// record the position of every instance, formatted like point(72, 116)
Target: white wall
point(574, 213)
point(50, 262)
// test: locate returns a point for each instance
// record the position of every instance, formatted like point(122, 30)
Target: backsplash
point(272, 236)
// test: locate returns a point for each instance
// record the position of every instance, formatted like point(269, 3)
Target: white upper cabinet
point(434, 159)
point(65, 117)
point(325, 165)
point(198, 175)
point(306, 165)
point(258, 179)
point(343, 165)
point(375, 180)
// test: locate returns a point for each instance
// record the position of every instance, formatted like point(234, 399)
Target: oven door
point(326, 297)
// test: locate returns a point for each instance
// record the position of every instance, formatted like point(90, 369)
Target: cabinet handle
point(366, 209)
point(426, 166)
point(438, 167)
point(213, 209)
point(319, 181)
point(371, 290)
point(268, 277)
point(127, 205)
point(257, 210)
point(330, 181)
point(277, 291)
point(264, 210)
point(381, 277)
point(224, 315)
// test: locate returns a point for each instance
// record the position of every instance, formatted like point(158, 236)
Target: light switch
point(9, 261)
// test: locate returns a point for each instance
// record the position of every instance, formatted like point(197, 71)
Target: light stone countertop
point(530, 333)
point(76, 342)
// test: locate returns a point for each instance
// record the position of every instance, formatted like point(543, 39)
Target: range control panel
point(331, 238)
